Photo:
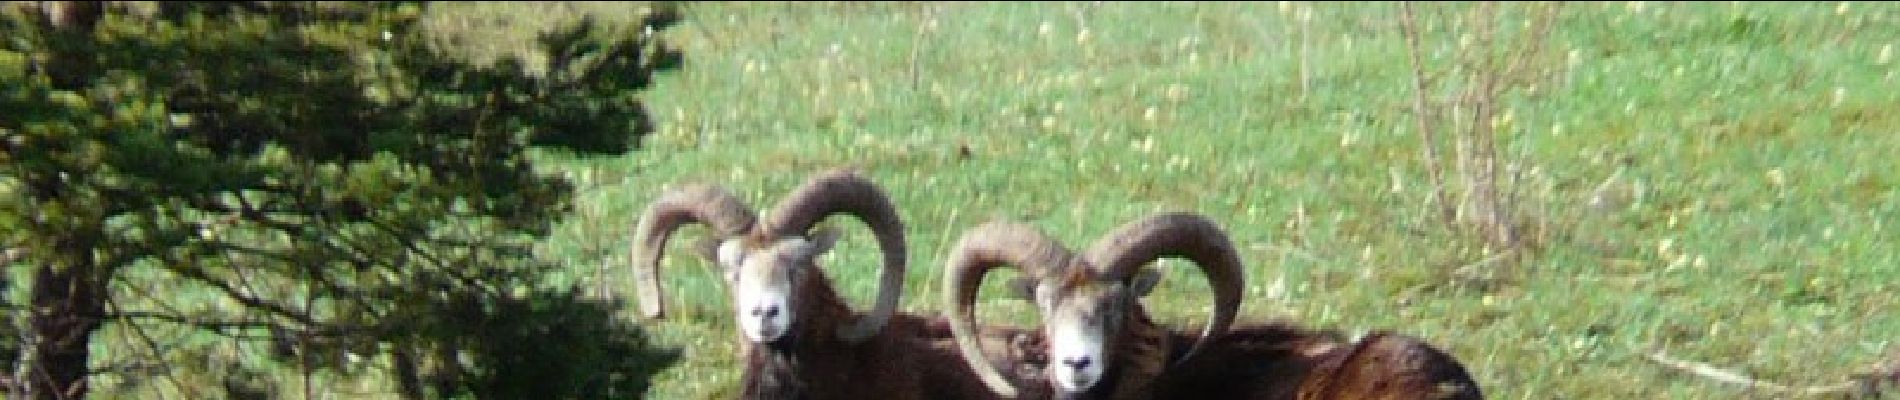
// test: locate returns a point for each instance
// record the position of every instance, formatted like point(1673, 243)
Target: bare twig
point(1866, 385)
point(1421, 107)
point(1524, 69)
point(1477, 155)
point(927, 16)
point(1485, 203)
point(1533, 51)
point(1305, 17)
point(1475, 267)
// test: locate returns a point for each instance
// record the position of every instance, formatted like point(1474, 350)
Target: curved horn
point(698, 203)
point(1176, 234)
point(844, 191)
point(983, 248)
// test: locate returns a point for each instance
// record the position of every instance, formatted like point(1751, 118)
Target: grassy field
point(1747, 150)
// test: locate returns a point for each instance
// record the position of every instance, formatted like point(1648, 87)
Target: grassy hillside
point(1745, 152)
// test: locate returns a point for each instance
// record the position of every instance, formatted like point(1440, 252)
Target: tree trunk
point(68, 304)
point(68, 294)
point(408, 373)
point(71, 22)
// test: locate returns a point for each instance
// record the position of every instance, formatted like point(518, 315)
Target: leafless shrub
point(1463, 98)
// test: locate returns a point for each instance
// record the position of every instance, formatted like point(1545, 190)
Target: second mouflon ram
point(1100, 343)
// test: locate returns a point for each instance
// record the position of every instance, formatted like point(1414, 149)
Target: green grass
point(1756, 228)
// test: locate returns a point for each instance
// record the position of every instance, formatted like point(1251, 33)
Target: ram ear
point(1022, 288)
point(1144, 281)
point(822, 239)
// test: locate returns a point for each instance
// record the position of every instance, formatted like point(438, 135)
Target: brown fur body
point(801, 339)
point(1268, 361)
point(913, 357)
point(1283, 361)
point(1093, 301)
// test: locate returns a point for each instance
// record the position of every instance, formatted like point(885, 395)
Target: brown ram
point(802, 341)
point(1101, 342)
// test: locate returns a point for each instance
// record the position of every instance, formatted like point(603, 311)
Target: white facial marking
point(761, 289)
point(731, 252)
point(763, 312)
point(1077, 349)
point(1075, 355)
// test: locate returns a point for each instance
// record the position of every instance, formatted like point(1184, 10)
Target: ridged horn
point(707, 204)
point(1119, 254)
point(991, 245)
point(845, 191)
